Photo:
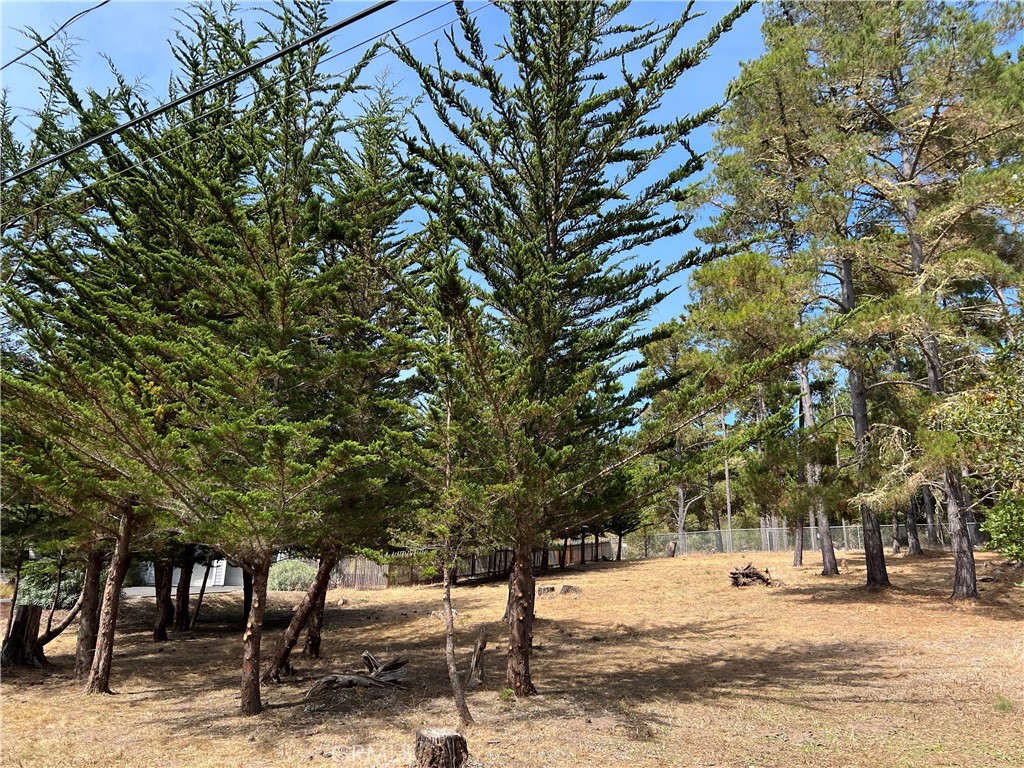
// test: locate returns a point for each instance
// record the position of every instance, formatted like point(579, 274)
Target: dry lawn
point(658, 663)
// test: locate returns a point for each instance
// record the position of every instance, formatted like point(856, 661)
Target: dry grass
point(658, 663)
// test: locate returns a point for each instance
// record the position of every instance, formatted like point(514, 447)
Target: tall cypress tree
point(563, 173)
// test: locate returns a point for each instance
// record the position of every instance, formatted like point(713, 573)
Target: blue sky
point(134, 36)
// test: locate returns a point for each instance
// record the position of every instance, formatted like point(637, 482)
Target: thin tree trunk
point(449, 651)
point(715, 517)
point(929, 516)
point(314, 628)
point(54, 632)
point(14, 597)
point(184, 589)
point(251, 703)
point(798, 544)
point(279, 664)
point(88, 628)
point(618, 550)
point(520, 620)
point(583, 549)
point(564, 553)
point(894, 538)
point(965, 583)
point(913, 539)
point(56, 592)
point(163, 572)
point(199, 600)
point(99, 675)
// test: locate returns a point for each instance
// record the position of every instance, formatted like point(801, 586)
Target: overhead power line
point(53, 34)
point(203, 89)
point(149, 158)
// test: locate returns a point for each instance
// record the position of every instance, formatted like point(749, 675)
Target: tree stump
point(438, 748)
point(20, 649)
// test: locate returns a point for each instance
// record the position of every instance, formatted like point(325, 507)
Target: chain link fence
point(844, 537)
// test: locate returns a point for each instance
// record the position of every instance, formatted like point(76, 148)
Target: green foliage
point(1004, 523)
point(290, 576)
point(39, 581)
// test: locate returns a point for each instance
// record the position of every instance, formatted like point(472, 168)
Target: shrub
point(290, 576)
point(38, 579)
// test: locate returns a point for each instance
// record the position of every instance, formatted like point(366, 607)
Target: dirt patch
point(654, 663)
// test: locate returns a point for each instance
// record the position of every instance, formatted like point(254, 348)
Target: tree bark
point(163, 575)
point(449, 650)
point(894, 538)
point(520, 620)
point(436, 748)
point(183, 592)
point(829, 565)
point(929, 515)
point(314, 628)
point(99, 675)
point(965, 583)
point(20, 648)
point(251, 703)
point(618, 550)
point(246, 596)
point(88, 628)
point(279, 664)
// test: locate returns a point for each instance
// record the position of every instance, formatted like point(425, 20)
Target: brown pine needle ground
point(657, 663)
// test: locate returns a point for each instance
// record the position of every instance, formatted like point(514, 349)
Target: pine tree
point(541, 158)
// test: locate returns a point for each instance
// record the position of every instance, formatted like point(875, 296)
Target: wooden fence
point(360, 573)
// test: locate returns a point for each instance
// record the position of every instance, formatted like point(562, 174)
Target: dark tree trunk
point(449, 651)
point(199, 599)
point(798, 544)
point(965, 583)
point(894, 538)
point(520, 620)
point(564, 553)
point(583, 549)
point(913, 539)
point(314, 628)
point(88, 628)
point(929, 516)
point(182, 621)
point(246, 596)
point(20, 648)
point(317, 591)
point(544, 558)
point(597, 547)
point(618, 550)
point(251, 704)
point(163, 575)
point(99, 675)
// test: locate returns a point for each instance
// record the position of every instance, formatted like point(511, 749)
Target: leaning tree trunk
point(163, 573)
point(54, 632)
point(88, 628)
point(199, 599)
point(315, 628)
point(56, 592)
point(449, 650)
point(99, 675)
point(184, 589)
point(251, 703)
point(520, 620)
point(315, 594)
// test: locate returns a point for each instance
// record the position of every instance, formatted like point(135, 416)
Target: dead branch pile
point(380, 676)
point(748, 574)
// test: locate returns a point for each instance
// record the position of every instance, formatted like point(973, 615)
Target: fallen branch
point(380, 676)
point(747, 575)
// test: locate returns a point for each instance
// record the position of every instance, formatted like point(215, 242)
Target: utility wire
point(53, 34)
point(203, 89)
point(167, 151)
